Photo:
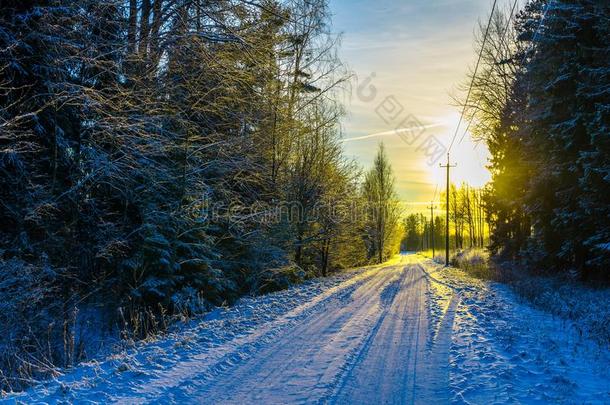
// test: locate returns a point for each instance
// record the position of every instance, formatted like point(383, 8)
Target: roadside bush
point(475, 262)
point(26, 325)
point(587, 306)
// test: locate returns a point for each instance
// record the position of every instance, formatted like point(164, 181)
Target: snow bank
point(505, 351)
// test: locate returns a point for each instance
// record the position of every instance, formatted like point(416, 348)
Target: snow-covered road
point(405, 332)
point(369, 342)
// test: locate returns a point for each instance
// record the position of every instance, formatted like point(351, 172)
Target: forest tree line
point(468, 226)
point(541, 103)
point(122, 122)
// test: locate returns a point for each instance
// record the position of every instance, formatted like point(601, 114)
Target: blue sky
point(416, 53)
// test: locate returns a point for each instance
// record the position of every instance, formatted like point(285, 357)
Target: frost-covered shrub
point(281, 278)
point(189, 301)
point(26, 319)
point(23, 289)
point(43, 329)
point(475, 262)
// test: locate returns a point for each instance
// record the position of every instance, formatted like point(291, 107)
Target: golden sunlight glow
point(471, 158)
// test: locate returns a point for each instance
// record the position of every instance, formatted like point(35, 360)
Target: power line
point(534, 37)
point(448, 166)
point(476, 68)
point(502, 39)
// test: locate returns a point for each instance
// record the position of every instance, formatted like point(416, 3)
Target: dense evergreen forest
point(541, 103)
point(164, 156)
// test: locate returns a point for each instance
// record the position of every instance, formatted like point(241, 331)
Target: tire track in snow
point(440, 342)
point(302, 364)
point(203, 367)
point(386, 298)
point(393, 366)
point(364, 347)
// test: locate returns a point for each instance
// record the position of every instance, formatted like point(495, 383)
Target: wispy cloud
point(392, 132)
point(418, 51)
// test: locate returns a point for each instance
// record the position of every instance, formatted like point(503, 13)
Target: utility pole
point(432, 226)
point(447, 166)
point(423, 231)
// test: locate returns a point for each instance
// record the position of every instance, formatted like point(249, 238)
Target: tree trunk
point(144, 29)
point(131, 29)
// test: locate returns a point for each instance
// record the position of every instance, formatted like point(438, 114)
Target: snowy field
point(409, 331)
